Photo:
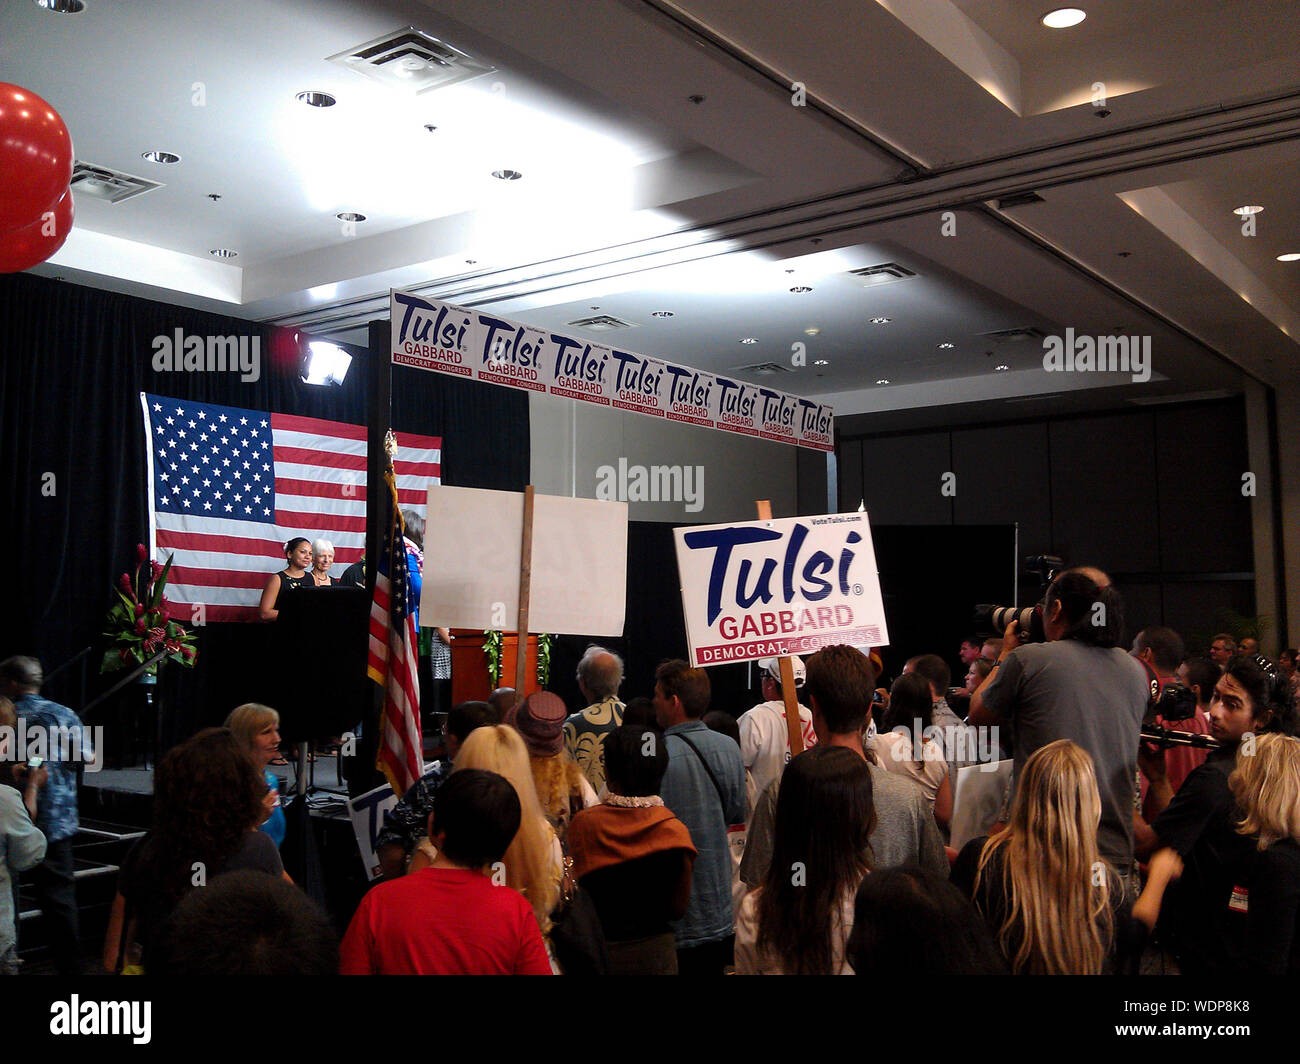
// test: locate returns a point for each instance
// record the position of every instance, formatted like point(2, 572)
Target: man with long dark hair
point(1078, 685)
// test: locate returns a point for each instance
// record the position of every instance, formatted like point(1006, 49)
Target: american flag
point(394, 658)
point(229, 486)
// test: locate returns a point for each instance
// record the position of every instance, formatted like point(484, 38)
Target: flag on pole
point(394, 655)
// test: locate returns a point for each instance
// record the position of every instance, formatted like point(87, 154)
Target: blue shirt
point(66, 742)
point(689, 793)
point(275, 825)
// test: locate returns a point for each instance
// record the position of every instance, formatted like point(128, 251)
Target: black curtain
point(71, 451)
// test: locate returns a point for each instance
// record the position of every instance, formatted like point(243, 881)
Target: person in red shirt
point(451, 918)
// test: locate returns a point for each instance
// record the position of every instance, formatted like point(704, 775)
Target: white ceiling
point(635, 199)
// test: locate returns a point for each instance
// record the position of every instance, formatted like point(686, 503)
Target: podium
point(469, 666)
point(318, 661)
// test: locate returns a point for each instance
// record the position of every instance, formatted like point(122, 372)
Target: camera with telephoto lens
point(989, 618)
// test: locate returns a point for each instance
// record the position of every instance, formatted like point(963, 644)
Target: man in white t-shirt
point(764, 734)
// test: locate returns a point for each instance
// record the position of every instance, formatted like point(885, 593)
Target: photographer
point(1079, 685)
point(1200, 822)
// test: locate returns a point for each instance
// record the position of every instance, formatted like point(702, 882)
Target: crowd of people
point(1147, 811)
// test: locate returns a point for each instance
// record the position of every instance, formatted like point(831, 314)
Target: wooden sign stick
point(793, 725)
point(525, 587)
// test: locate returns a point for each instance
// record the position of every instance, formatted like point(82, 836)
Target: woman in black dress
point(297, 574)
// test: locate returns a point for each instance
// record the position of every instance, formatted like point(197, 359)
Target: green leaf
point(160, 585)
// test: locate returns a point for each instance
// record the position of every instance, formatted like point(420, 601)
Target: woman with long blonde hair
point(1040, 882)
point(533, 861)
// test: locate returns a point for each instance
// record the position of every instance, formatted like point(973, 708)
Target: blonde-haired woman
point(256, 729)
point(1254, 922)
point(533, 861)
point(1050, 900)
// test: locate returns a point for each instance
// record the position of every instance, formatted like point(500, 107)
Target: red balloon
point(35, 156)
point(33, 244)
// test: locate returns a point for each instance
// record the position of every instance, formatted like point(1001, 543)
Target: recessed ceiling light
point(1000, 369)
point(800, 288)
point(880, 321)
point(945, 346)
point(1246, 211)
point(316, 99)
point(1290, 256)
point(350, 216)
point(63, 7)
point(661, 314)
point(165, 157)
point(883, 380)
point(507, 175)
point(821, 362)
point(812, 330)
point(1064, 17)
point(749, 340)
point(223, 253)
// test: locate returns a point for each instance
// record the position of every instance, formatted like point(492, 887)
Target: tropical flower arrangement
point(139, 624)
point(492, 651)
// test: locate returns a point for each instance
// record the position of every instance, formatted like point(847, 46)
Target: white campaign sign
point(579, 564)
point(464, 342)
point(772, 588)
point(367, 814)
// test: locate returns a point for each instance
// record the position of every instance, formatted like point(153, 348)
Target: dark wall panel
point(849, 454)
point(810, 482)
point(1002, 478)
point(1104, 492)
point(1154, 496)
point(1195, 611)
point(1204, 518)
point(902, 477)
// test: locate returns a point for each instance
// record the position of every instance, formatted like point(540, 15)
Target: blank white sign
point(473, 539)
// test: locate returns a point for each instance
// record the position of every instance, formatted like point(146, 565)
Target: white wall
point(571, 441)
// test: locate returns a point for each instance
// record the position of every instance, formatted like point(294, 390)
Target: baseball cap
point(772, 666)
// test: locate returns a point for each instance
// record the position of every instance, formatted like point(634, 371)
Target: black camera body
point(1175, 702)
point(990, 618)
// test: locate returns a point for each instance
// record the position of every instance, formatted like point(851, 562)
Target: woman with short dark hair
point(634, 857)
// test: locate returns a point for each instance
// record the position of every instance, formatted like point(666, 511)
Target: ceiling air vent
point(762, 369)
point(411, 61)
point(112, 186)
point(885, 273)
point(1020, 199)
point(1015, 336)
point(603, 323)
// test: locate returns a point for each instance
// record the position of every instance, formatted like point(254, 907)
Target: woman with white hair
point(322, 557)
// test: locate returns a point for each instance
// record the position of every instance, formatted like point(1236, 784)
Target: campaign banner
point(446, 338)
point(772, 588)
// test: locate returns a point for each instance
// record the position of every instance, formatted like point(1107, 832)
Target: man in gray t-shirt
point(1075, 687)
